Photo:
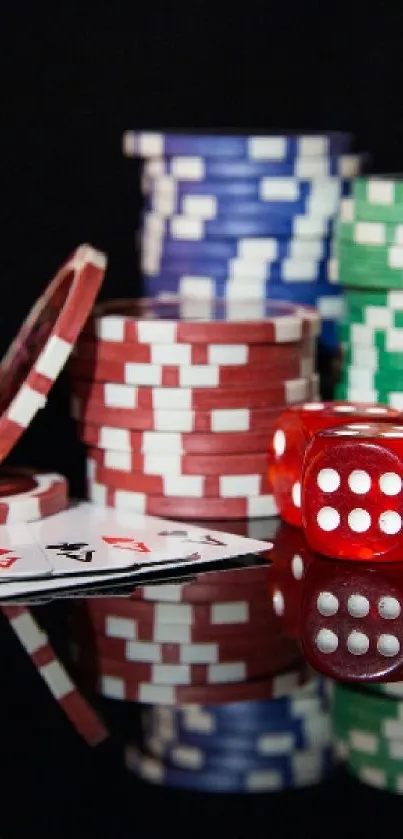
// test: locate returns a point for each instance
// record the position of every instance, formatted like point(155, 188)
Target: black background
point(74, 77)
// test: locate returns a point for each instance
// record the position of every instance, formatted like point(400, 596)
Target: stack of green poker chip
point(368, 730)
point(369, 248)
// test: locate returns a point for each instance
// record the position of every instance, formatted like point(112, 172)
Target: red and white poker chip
point(112, 395)
point(214, 652)
point(169, 375)
point(27, 495)
point(276, 357)
point(171, 486)
point(253, 506)
point(198, 421)
point(186, 464)
point(164, 322)
point(129, 690)
point(172, 443)
point(46, 338)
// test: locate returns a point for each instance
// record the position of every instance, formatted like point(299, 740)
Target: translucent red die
point(352, 620)
point(352, 492)
point(291, 556)
point(291, 434)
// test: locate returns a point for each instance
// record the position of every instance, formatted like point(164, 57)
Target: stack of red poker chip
point(214, 640)
point(176, 407)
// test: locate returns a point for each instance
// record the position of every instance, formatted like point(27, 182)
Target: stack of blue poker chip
point(263, 746)
point(240, 216)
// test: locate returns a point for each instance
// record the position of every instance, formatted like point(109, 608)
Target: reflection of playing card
point(20, 556)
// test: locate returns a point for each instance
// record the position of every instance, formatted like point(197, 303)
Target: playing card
point(20, 556)
point(88, 545)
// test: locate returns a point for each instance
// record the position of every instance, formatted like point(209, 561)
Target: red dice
point(352, 492)
point(291, 556)
point(293, 431)
point(352, 620)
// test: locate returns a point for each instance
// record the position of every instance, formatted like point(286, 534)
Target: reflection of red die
point(352, 492)
point(352, 620)
point(291, 435)
point(290, 557)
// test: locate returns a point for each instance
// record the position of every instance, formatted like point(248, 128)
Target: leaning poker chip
point(372, 234)
point(156, 442)
point(27, 495)
point(171, 486)
point(37, 646)
point(199, 168)
point(252, 506)
point(264, 250)
point(138, 398)
point(45, 341)
point(378, 199)
point(236, 226)
point(194, 376)
point(207, 465)
point(129, 690)
point(187, 355)
point(214, 420)
point(265, 147)
point(164, 322)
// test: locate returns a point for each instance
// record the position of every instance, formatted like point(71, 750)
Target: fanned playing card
point(88, 546)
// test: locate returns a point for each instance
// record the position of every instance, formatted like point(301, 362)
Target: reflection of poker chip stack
point(247, 717)
point(177, 411)
point(243, 217)
point(370, 256)
point(368, 728)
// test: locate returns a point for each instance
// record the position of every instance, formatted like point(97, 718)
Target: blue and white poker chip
point(208, 207)
point(183, 227)
point(284, 271)
point(326, 190)
point(199, 168)
point(269, 779)
point(160, 250)
point(274, 147)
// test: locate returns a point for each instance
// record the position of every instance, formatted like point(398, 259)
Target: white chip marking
point(388, 645)
point(389, 608)
point(313, 406)
point(359, 482)
point(390, 522)
point(344, 409)
point(279, 443)
point(326, 641)
point(357, 606)
point(328, 518)
point(327, 604)
point(297, 567)
point(328, 480)
point(357, 643)
point(359, 520)
point(296, 494)
point(390, 483)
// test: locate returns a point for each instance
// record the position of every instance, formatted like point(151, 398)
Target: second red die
point(291, 435)
point(352, 498)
